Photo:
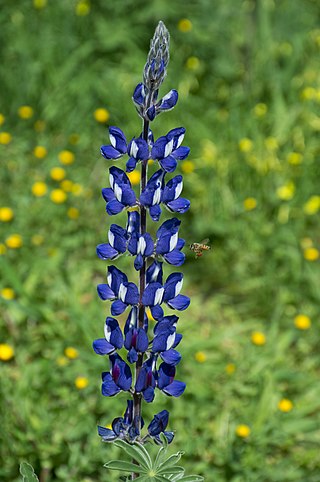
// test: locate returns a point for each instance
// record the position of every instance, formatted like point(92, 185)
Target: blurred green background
point(248, 77)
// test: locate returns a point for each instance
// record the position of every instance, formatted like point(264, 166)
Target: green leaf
point(27, 472)
point(161, 478)
point(191, 478)
point(123, 466)
point(171, 470)
point(136, 452)
point(172, 460)
point(160, 456)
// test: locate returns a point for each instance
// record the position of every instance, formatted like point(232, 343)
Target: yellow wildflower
point(271, 143)
point(66, 157)
point(193, 63)
point(6, 352)
point(311, 254)
point(184, 25)
point(230, 368)
point(258, 338)
point(250, 203)
point(286, 192)
point(243, 431)
point(308, 93)
point(14, 241)
point(39, 125)
point(7, 293)
point(58, 196)
point(3, 249)
point(134, 177)
point(5, 138)
point(200, 357)
point(302, 322)
point(40, 152)
point(71, 352)
point(2, 119)
point(101, 115)
point(73, 213)
point(39, 4)
point(260, 109)
point(66, 185)
point(37, 239)
point(81, 382)
point(285, 405)
point(25, 112)
point(6, 214)
point(294, 158)
point(245, 145)
point(312, 206)
point(82, 8)
point(187, 167)
point(39, 189)
point(57, 173)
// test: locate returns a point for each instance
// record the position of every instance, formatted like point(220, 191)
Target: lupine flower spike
point(151, 362)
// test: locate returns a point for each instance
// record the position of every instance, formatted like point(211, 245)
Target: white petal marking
point(107, 332)
point(168, 148)
point(170, 341)
point(178, 190)
point(158, 296)
point(134, 149)
point(122, 292)
point(141, 246)
point(113, 140)
point(111, 238)
point(173, 242)
point(178, 288)
point(117, 192)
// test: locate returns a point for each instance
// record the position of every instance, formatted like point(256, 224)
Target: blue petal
point(153, 294)
point(142, 340)
point(175, 389)
point(151, 113)
point(165, 375)
point(168, 101)
point(154, 272)
point(172, 357)
point(118, 307)
point(106, 434)
point(114, 207)
point(157, 312)
point(177, 135)
point(148, 394)
point(179, 205)
point(139, 94)
point(180, 303)
point(170, 226)
point(132, 294)
point(109, 387)
point(133, 223)
point(116, 277)
point(139, 149)
point(132, 355)
point(181, 153)
point(177, 340)
point(173, 189)
point(159, 423)
point(110, 152)
point(108, 194)
point(113, 332)
point(131, 164)
point(105, 251)
point(138, 262)
point(105, 292)
point(128, 197)
point(118, 238)
point(181, 242)
point(155, 212)
point(125, 378)
point(173, 286)
point(168, 164)
point(159, 147)
point(175, 257)
point(102, 347)
point(118, 139)
point(164, 341)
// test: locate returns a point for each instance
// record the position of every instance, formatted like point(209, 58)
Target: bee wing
point(205, 241)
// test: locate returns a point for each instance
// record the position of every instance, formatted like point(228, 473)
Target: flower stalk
point(151, 359)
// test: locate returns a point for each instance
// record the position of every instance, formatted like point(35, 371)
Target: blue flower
point(120, 195)
point(167, 149)
point(152, 194)
point(171, 193)
point(169, 244)
point(118, 239)
point(146, 381)
point(139, 98)
point(166, 339)
point(138, 150)
point(113, 338)
point(118, 144)
point(158, 425)
point(119, 378)
point(122, 427)
point(119, 289)
point(136, 339)
point(166, 382)
point(155, 294)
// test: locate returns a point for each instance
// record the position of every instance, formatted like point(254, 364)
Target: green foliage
point(159, 470)
point(246, 70)
point(27, 472)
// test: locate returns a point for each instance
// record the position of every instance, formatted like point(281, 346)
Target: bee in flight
point(198, 248)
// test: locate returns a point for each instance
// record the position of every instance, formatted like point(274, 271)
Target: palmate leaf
point(172, 460)
point(136, 452)
point(124, 466)
point(27, 472)
point(176, 469)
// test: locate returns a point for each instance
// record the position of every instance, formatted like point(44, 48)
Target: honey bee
point(198, 248)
